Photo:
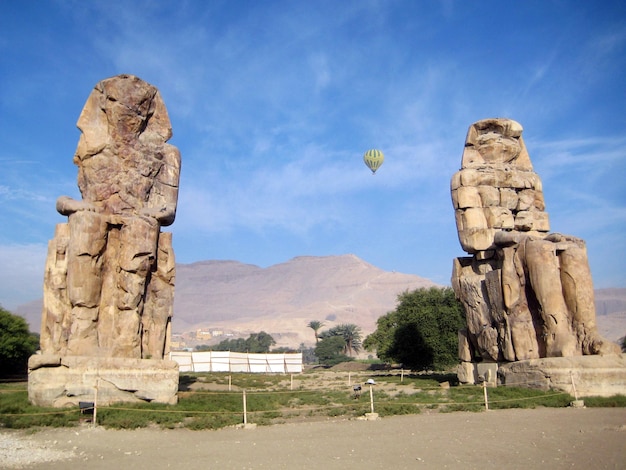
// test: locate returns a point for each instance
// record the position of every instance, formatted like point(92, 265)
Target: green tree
point(422, 333)
point(235, 345)
point(329, 350)
point(259, 342)
point(316, 325)
point(17, 344)
point(255, 343)
point(351, 335)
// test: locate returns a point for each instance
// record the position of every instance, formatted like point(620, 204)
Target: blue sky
point(273, 104)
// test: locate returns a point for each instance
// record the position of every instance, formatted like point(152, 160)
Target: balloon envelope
point(373, 159)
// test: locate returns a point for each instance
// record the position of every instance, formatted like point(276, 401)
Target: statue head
point(494, 142)
point(121, 110)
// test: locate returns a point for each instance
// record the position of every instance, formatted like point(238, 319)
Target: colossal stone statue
point(109, 278)
point(109, 273)
point(527, 294)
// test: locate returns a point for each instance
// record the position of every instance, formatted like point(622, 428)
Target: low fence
point(226, 361)
point(311, 402)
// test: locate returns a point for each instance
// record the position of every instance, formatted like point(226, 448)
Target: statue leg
point(579, 297)
point(56, 311)
point(138, 245)
point(545, 279)
point(86, 246)
point(157, 310)
point(519, 318)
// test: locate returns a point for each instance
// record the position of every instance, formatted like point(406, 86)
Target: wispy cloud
point(273, 105)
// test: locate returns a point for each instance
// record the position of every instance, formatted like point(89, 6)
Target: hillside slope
point(282, 299)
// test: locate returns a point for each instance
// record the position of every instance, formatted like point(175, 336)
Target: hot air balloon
point(373, 159)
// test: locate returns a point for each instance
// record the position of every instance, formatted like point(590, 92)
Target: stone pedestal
point(478, 372)
point(65, 381)
point(603, 376)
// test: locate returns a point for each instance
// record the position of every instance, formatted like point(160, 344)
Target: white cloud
point(273, 106)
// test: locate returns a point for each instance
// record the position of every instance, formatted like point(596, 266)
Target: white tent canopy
point(226, 361)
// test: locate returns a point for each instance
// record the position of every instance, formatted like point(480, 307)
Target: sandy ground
point(510, 439)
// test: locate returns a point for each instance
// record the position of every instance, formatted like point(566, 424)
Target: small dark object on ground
point(86, 407)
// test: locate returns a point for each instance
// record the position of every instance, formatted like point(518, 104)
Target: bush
point(17, 344)
point(329, 351)
point(422, 333)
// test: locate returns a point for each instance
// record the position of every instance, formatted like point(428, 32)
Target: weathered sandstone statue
point(109, 278)
point(527, 294)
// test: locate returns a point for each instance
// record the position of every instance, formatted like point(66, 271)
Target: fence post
point(245, 409)
point(571, 375)
point(486, 397)
point(576, 403)
point(95, 404)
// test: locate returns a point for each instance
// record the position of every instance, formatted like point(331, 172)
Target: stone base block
point(65, 381)
point(592, 375)
point(478, 372)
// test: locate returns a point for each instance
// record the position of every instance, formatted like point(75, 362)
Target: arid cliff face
point(282, 299)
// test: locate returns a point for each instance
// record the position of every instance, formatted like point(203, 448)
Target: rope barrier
point(60, 412)
point(169, 411)
point(295, 409)
point(304, 408)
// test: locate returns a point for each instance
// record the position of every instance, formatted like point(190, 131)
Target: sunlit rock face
point(109, 276)
point(527, 293)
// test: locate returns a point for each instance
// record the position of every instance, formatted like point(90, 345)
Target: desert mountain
point(282, 299)
point(611, 312)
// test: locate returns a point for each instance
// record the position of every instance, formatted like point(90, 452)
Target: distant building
point(203, 335)
point(177, 343)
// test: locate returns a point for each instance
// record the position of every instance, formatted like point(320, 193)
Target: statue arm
point(164, 214)
point(164, 197)
point(560, 238)
point(504, 238)
point(67, 205)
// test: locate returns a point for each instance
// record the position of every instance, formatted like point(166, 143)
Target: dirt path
point(511, 439)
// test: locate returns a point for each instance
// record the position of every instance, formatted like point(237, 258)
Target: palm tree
point(352, 335)
point(316, 325)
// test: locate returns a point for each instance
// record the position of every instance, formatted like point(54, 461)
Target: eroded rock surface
point(109, 277)
point(527, 293)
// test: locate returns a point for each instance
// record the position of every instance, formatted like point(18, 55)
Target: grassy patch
point(17, 412)
point(617, 401)
point(275, 398)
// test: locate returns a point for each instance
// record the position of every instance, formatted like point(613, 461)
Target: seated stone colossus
point(109, 279)
point(527, 293)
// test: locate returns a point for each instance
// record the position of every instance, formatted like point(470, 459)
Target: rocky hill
point(611, 312)
point(282, 299)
